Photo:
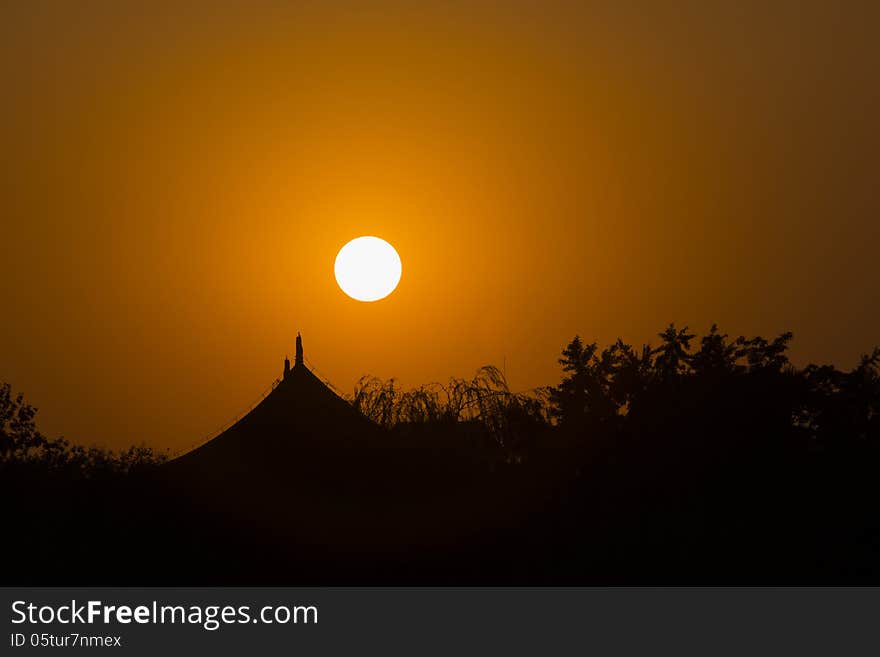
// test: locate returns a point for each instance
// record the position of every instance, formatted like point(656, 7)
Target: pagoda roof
point(300, 415)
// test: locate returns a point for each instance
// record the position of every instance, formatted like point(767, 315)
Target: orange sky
point(176, 184)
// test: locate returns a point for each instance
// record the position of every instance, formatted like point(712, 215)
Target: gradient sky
point(176, 184)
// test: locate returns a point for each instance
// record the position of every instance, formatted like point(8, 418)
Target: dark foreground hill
point(720, 466)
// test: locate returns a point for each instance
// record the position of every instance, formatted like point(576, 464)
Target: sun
point(367, 268)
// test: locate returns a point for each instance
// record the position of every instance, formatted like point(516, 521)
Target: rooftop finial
point(299, 350)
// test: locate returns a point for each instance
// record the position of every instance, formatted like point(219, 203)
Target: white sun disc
point(367, 268)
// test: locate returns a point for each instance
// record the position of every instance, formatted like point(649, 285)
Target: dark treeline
point(26, 452)
point(701, 459)
point(743, 390)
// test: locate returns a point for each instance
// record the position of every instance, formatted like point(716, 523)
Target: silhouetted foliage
point(23, 446)
point(602, 388)
point(586, 394)
point(504, 419)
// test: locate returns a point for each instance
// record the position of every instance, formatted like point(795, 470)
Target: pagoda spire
point(299, 351)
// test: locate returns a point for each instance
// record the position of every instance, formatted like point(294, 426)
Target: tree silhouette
point(717, 356)
point(672, 358)
point(586, 396)
point(18, 430)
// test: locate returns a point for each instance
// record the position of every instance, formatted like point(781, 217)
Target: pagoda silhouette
point(303, 460)
point(300, 418)
point(305, 475)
